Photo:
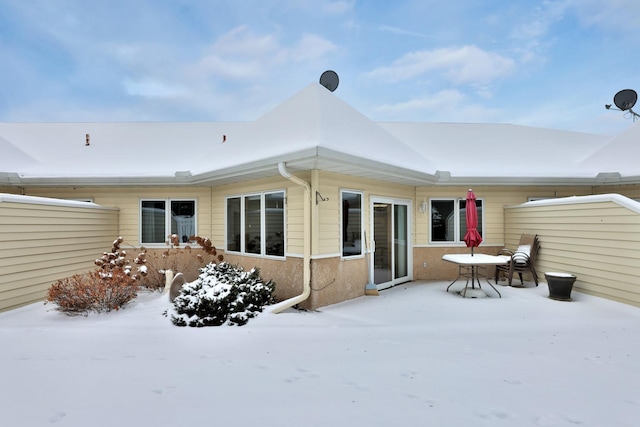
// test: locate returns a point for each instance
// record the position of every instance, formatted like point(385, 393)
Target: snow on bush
point(110, 287)
point(93, 291)
point(117, 260)
point(223, 293)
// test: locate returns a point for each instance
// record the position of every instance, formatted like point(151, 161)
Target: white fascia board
point(102, 181)
point(244, 171)
point(532, 180)
point(383, 169)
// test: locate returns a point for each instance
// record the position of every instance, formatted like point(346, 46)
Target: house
point(317, 195)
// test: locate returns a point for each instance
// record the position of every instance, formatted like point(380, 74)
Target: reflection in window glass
point(351, 224)
point(233, 224)
point(401, 239)
point(161, 218)
point(274, 224)
point(252, 223)
point(442, 220)
point(153, 219)
point(256, 224)
point(183, 222)
point(448, 219)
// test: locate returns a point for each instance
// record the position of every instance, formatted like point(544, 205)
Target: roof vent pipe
point(88, 138)
point(306, 274)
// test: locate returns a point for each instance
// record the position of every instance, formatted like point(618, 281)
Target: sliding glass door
point(391, 258)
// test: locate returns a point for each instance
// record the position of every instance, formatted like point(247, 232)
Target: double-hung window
point(161, 218)
point(256, 224)
point(447, 220)
point(351, 220)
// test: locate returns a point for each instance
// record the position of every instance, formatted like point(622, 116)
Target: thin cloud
point(463, 65)
point(402, 32)
point(441, 100)
point(152, 88)
point(241, 54)
point(531, 35)
point(242, 42)
point(233, 60)
point(619, 16)
point(339, 7)
point(445, 105)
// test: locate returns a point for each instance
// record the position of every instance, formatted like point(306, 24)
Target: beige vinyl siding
point(127, 199)
point(330, 211)
point(295, 220)
point(631, 191)
point(43, 242)
point(293, 216)
point(494, 201)
point(9, 190)
point(598, 241)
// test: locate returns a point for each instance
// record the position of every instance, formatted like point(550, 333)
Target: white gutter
point(306, 274)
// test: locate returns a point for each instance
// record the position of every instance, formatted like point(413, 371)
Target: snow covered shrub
point(223, 293)
point(187, 260)
point(117, 260)
point(110, 287)
point(94, 291)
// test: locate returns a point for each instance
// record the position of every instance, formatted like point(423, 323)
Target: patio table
point(468, 268)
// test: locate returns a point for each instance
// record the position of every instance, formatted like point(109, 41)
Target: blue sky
point(540, 63)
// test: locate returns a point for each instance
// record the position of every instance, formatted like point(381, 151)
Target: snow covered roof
point(502, 151)
point(618, 156)
point(313, 129)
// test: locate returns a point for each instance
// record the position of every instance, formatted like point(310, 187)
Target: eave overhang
point(316, 158)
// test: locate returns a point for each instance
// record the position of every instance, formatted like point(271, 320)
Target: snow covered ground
point(413, 356)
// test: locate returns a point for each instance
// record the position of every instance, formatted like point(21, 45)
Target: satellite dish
point(329, 79)
point(625, 99)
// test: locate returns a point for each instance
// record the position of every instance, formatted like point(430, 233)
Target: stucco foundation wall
point(334, 280)
point(44, 240)
point(437, 269)
point(287, 274)
point(597, 238)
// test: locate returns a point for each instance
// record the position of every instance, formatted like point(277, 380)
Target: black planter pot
point(560, 285)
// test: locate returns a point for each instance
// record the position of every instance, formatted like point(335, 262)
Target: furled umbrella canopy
point(472, 238)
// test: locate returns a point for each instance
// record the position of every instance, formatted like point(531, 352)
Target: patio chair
point(521, 260)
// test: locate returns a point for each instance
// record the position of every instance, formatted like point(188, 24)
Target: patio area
point(414, 355)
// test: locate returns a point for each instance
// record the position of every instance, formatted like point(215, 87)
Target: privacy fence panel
point(43, 240)
point(597, 238)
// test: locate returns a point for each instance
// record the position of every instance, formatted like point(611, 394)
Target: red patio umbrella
point(472, 238)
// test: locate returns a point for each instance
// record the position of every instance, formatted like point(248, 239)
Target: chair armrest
point(505, 251)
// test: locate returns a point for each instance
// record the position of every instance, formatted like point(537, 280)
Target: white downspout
point(306, 272)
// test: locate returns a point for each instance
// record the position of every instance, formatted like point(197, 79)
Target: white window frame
point(263, 224)
point(456, 226)
point(362, 242)
point(167, 219)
